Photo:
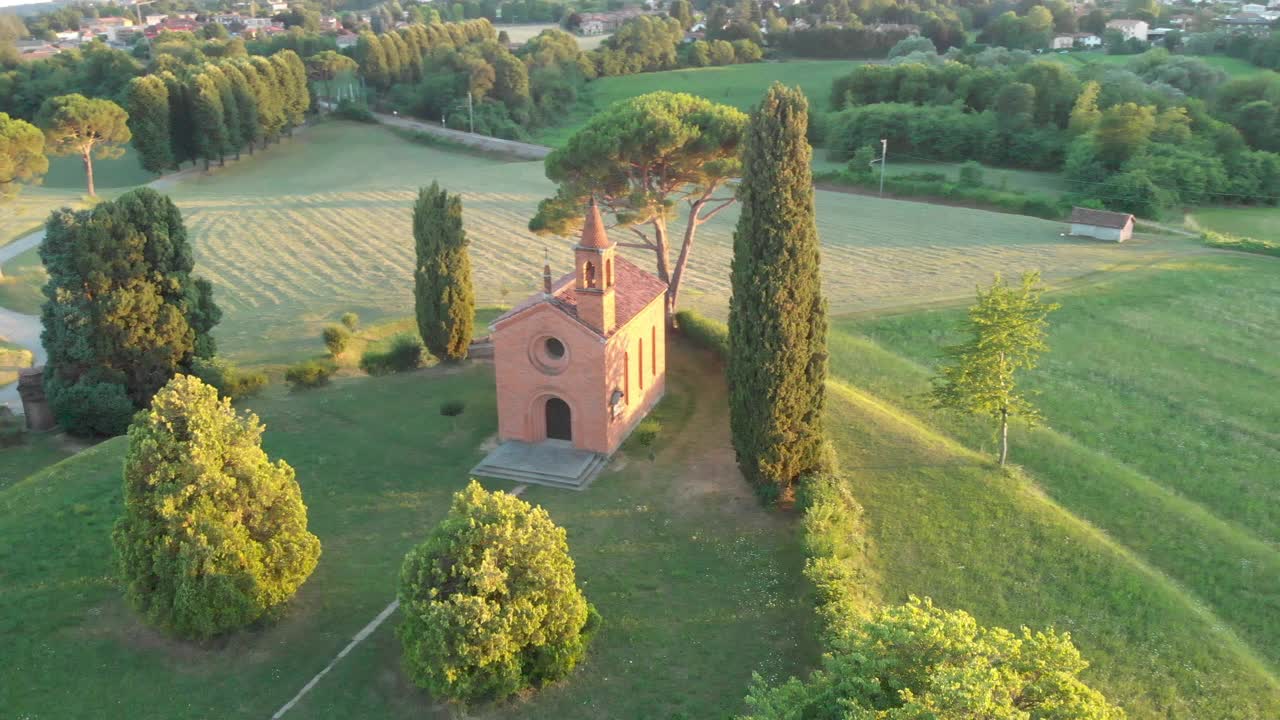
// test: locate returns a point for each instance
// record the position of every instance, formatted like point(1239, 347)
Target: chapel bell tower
point(593, 270)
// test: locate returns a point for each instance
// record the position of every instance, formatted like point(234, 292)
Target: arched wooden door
point(559, 420)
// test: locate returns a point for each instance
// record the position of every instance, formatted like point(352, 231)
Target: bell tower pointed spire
point(593, 263)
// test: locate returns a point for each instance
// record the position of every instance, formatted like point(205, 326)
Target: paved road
point(16, 327)
point(528, 151)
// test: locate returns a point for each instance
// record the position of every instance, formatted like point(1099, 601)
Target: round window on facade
point(554, 348)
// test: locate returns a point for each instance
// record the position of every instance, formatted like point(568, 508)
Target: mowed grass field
point(322, 225)
point(698, 586)
point(1159, 452)
point(1262, 223)
point(524, 32)
point(741, 86)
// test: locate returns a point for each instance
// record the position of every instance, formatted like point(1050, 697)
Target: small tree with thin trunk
point(444, 300)
point(88, 127)
point(639, 159)
point(1007, 329)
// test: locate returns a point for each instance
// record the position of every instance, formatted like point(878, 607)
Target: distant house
point(1130, 29)
point(1087, 40)
point(1253, 8)
point(1101, 224)
point(1062, 42)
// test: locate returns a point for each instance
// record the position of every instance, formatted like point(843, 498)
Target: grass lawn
point(65, 185)
point(524, 32)
point(1155, 435)
point(38, 451)
point(1262, 223)
point(24, 275)
point(321, 224)
point(1235, 67)
point(1028, 181)
point(698, 586)
point(741, 86)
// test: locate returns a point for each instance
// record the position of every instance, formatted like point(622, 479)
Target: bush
point(214, 535)
point(404, 354)
point(1242, 244)
point(309, 374)
point(350, 320)
point(336, 339)
point(353, 110)
point(89, 408)
point(229, 380)
point(490, 602)
point(452, 408)
point(706, 333)
point(647, 432)
point(916, 660)
point(971, 174)
point(836, 548)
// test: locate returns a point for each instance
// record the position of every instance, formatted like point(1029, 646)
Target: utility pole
point(884, 151)
point(471, 115)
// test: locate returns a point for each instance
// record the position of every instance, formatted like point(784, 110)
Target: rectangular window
point(653, 350)
point(626, 378)
point(640, 363)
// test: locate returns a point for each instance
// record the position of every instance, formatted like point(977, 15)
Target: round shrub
point(336, 338)
point(452, 408)
point(229, 380)
point(349, 320)
point(309, 374)
point(490, 602)
point(214, 535)
point(404, 354)
point(89, 408)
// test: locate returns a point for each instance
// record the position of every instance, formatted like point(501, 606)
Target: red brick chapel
point(583, 361)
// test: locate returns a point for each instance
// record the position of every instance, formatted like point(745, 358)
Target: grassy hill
point(1154, 436)
point(741, 86)
point(1255, 222)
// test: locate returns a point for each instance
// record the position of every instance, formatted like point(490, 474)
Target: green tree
point(1123, 131)
point(328, 65)
point(777, 362)
point(1085, 113)
point(214, 535)
point(373, 60)
point(148, 104)
point(77, 125)
point(21, 154)
point(291, 79)
point(232, 140)
point(272, 114)
point(182, 142)
point(914, 661)
point(246, 104)
point(682, 12)
point(640, 159)
point(490, 602)
point(1006, 330)
point(208, 118)
point(1015, 106)
point(123, 312)
point(444, 300)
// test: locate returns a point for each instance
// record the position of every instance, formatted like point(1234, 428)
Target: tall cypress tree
point(777, 315)
point(148, 105)
point(443, 297)
point(246, 103)
point(181, 125)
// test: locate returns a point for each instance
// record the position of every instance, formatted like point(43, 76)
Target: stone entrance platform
point(555, 463)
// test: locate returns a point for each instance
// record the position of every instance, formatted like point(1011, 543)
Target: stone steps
point(534, 477)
